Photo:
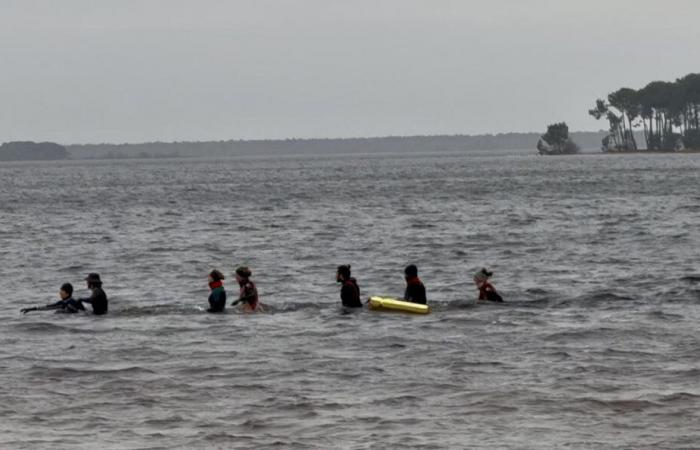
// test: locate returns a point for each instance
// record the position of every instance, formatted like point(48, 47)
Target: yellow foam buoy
point(392, 304)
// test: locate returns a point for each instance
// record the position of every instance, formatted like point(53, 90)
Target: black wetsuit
point(68, 306)
point(350, 294)
point(217, 300)
point(415, 291)
point(98, 300)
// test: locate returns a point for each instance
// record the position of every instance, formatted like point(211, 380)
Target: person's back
point(98, 298)
point(248, 293)
point(217, 296)
point(67, 306)
point(350, 294)
point(99, 302)
point(349, 291)
point(415, 290)
point(486, 289)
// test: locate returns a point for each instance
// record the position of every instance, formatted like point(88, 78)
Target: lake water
point(597, 345)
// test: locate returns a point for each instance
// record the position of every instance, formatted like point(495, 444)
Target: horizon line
point(348, 138)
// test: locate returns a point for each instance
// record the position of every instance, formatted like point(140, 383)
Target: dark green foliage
point(556, 141)
point(17, 151)
point(669, 112)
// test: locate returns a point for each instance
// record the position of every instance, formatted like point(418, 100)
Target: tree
point(621, 110)
point(669, 113)
point(556, 141)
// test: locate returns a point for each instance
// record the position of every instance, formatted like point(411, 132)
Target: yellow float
point(392, 304)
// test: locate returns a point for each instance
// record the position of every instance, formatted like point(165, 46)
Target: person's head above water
point(66, 291)
point(482, 276)
point(343, 272)
point(93, 280)
point(215, 276)
point(243, 273)
point(411, 271)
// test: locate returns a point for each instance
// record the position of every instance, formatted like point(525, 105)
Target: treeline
point(393, 144)
point(668, 112)
point(28, 150)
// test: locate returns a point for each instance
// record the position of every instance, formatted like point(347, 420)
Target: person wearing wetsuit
point(248, 293)
point(217, 296)
point(98, 299)
point(486, 289)
point(349, 291)
point(67, 304)
point(415, 290)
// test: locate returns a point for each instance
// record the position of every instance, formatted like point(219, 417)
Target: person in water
point(67, 304)
point(486, 289)
point(415, 290)
point(349, 291)
point(248, 293)
point(217, 296)
point(98, 298)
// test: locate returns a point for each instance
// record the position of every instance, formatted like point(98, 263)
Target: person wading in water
point(415, 290)
point(217, 296)
point(486, 289)
point(98, 299)
point(349, 291)
point(67, 304)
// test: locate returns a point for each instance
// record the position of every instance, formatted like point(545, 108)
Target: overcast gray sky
point(77, 71)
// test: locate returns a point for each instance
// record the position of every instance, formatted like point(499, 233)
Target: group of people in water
point(67, 304)
point(248, 293)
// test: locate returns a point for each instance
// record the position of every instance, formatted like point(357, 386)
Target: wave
point(618, 406)
point(67, 372)
point(48, 327)
point(691, 279)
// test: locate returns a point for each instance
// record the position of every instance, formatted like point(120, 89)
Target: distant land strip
point(589, 142)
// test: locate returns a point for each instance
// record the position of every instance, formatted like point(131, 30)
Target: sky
point(92, 71)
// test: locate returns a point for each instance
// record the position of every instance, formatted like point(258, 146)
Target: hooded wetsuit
point(350, 294)
point(415, 291)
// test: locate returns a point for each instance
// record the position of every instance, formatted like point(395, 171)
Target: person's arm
point(74, 306)
point(247, 295)
point(56, 305)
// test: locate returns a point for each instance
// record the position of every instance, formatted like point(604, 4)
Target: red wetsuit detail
point(484, 289)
